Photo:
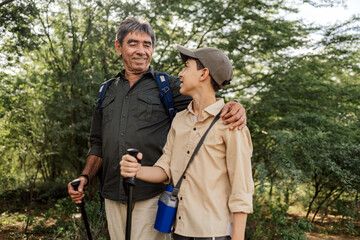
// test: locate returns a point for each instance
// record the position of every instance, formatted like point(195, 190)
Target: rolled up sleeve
point(164, 160)
point(238, 157)
point(96, 135)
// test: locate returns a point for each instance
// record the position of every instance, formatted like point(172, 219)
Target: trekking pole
point(131, 184)
point(75, 185)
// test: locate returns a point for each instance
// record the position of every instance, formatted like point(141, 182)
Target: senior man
point(132, 116)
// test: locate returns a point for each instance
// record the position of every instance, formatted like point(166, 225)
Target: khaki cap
point(214, 59)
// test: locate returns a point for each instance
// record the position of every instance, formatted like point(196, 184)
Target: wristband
point(87, 178)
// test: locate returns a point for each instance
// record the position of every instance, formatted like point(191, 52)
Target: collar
point(213, 109)
point(149, 72)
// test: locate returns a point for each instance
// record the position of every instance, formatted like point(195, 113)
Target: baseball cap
point(212, 58)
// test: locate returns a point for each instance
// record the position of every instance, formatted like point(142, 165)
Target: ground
point(319, 236)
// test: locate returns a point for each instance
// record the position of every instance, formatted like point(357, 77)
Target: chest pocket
point(149, 105)
point(107, 108)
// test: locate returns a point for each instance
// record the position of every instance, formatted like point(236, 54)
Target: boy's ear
point(205, 73)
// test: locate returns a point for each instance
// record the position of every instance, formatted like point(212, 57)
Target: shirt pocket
point(107, 108)
point(148, 104)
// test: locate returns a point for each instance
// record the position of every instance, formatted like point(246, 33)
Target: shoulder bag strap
point(177, 187)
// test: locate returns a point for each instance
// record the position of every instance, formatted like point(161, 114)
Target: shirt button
point(179, 217)
point(126, 97)
point(121, 134)
point(188, 152)
point(180, 198)
point(194, 129)
point(184, 177)
point(124, 115)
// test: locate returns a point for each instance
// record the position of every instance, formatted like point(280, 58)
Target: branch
point(56, 61)
point(5, 2)
point(168, 43)
point(76, 60)
point(322, 202)
point(214, 23)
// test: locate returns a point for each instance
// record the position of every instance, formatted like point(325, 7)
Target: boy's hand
point(129, 165)
point(234, 113)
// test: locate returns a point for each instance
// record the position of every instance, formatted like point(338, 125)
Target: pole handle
point(75, 183)
point(133, 152)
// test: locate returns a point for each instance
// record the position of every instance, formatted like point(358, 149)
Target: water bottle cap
point(169, 188)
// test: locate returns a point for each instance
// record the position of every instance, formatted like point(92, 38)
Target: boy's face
point(189, 77)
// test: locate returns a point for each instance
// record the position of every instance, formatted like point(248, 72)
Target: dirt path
point(318, 236)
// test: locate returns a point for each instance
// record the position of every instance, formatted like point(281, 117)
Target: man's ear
point(153, 48)
point(118, 47)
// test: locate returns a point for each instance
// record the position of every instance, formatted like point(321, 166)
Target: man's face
point(189, 77)
point(136, 51)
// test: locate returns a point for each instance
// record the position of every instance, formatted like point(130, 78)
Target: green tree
point(306, 120)
point(302, 97)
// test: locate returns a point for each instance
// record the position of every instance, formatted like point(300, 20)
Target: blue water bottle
point(167, 206)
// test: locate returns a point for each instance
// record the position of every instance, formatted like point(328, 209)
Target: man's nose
point(140, 50)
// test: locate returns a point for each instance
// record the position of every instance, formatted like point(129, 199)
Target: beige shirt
point(218, 181)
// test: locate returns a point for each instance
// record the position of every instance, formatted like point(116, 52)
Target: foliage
point(62, 221)
point(302, 97)
point(16, 27)
point(270, 221)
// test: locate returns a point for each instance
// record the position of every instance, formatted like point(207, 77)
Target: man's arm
point(93, 161)
point(234, 113)
point(93, 164)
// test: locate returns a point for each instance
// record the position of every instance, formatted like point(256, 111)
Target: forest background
point(302, 98)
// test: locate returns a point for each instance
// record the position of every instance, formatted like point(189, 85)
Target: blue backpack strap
point(165, 94)
point(102, 92)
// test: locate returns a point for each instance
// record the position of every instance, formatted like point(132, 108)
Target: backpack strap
point(165, 94)
point(102, 92)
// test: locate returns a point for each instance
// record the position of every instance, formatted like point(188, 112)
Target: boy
point(216, 192)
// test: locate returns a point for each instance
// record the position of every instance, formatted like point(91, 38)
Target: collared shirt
point(219, 179)
point(132, 118)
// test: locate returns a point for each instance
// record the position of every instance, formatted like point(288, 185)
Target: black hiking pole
point(75, 185)
point(131, 184)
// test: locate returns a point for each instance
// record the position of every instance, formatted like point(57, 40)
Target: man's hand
point(234, 113)
point(129, 165)
point(76, 196)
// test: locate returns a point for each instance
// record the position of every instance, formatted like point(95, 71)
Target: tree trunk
point(322, 202)
point(317, 190)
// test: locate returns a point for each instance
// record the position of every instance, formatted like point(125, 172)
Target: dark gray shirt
point(132, 118)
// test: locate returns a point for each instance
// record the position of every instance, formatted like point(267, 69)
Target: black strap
point(177, 187)
point(165, 94)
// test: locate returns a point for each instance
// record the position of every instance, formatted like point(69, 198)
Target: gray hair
point(134, 25)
